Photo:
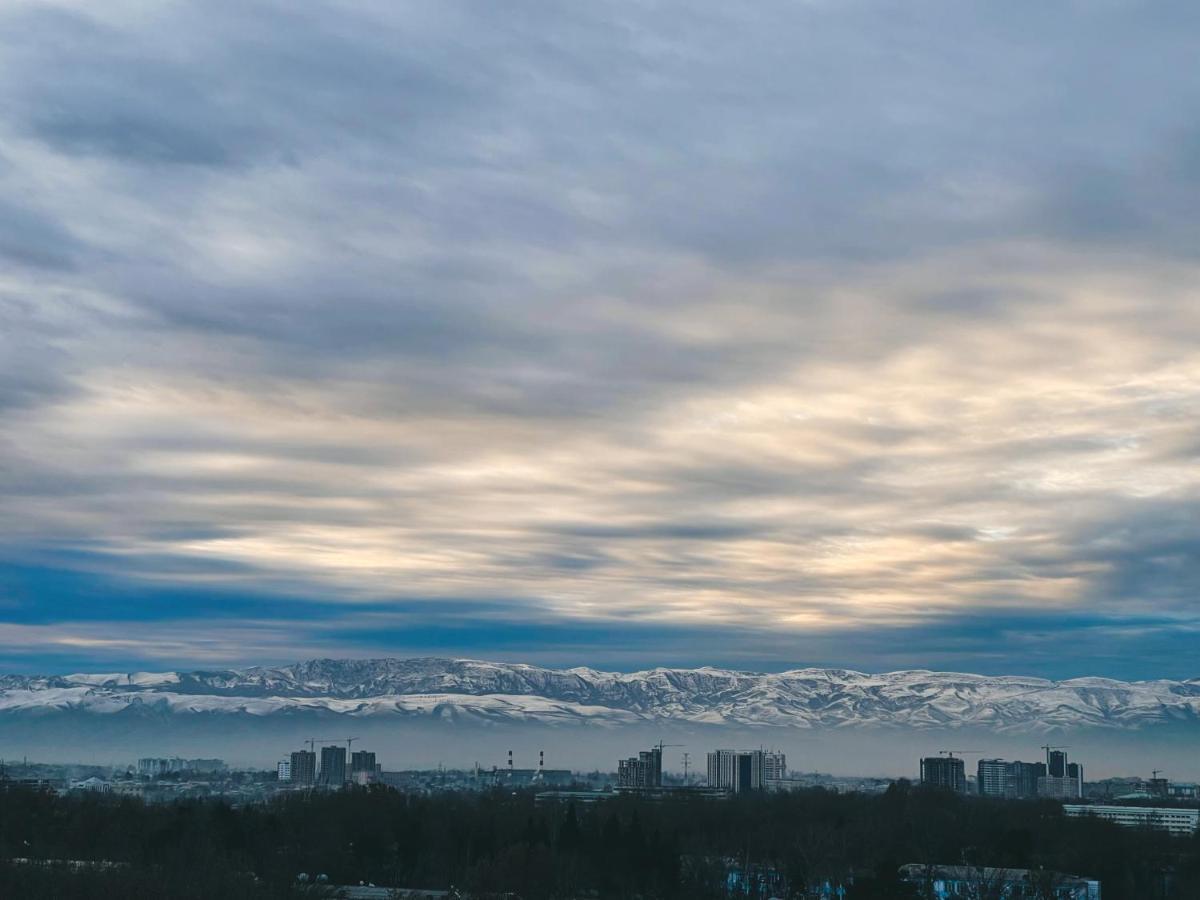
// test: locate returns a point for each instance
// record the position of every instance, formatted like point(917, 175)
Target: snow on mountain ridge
point(803, 698)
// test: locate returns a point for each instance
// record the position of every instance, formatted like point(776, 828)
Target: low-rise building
point(944, 772)
point(154, 766)
point(955, 882)
point(1165, 818)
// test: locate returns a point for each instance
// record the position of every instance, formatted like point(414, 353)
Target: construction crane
point(686, 759)
point(950, 753)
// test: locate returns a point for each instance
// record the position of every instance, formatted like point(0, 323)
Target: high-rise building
point(774, 766)
point(1056, 764)
point(1000, 778)
point(284, 770)
point(641, 771)
point(363, 768)
point(333, 767)
point(304, 767)
point(992, 777)
point(362, 761)
point(739, 770)
point(944, 772)
point(1024, 779)
point(1063, 780)
point(1064, 788)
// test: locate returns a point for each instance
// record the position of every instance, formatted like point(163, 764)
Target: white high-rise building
point(774, 766)
point(739, 770)
point(285, 770)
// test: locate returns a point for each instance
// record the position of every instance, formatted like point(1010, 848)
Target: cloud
point(792, 323)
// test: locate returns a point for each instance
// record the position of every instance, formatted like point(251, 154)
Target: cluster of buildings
point(641, 772)
point(157, 766)
point(1135, 788)
point(729, 771)
point(301, 769)
point(510, 776)
point(1057, 777)
point(954, 882)
point(1060, 779)
point(745, 770)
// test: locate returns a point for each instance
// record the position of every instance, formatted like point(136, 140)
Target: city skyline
point(857, 335)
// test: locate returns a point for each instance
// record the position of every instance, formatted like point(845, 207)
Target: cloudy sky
point(624, 333)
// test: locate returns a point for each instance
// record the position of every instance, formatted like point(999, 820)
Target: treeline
point(493, 844)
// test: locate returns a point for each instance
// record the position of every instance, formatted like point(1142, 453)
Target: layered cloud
point(640, 332)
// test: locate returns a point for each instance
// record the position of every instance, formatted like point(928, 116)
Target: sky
point(624, 334)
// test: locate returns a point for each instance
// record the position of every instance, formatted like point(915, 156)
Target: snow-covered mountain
point(471, 689)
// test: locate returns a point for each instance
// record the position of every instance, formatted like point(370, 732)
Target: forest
point(506, 844)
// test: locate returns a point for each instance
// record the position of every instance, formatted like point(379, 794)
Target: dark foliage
point(489, 844)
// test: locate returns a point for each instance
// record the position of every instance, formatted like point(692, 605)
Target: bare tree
point(988, 884)
point(1045, 884)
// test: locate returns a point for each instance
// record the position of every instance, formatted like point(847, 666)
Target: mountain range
point(461, 689)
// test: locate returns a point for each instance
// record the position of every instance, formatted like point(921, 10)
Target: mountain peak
point(799, 698)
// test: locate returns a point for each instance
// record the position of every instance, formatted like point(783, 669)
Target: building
point(954, 882)
point(641, 772)
point(1023, 779)
point(333, 767)
point(92, 784)
point(774, 767)
point(39, 785)
point(1059, 788)
point(739, 770)
point(992, 777)
point(1183, 790)
point(304, 768)
point(1075, 770)
point(155, 766)
point(1177, 821)
point(1063, 779)
point(1056, 763)
point(363, 768)
point(284, 770)
point(362, 761)
point(944, 772)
